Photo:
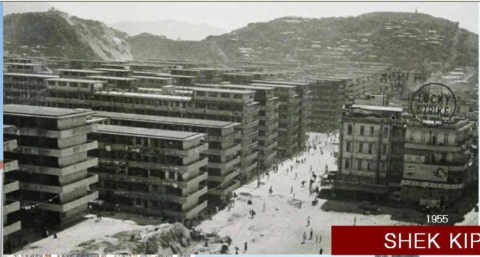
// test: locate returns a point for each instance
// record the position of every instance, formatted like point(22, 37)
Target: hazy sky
point(230, 15)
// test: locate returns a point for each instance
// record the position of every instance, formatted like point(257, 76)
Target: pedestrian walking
point(304, 237)
point(264, 207)
point(295, 175)
point(236, 250)
point(270, 190)
point(320, 239)
point(311, 234)
point(245, 247)
point(308, 221)
point(321, 251)
point(293, 197)
point(355, 220)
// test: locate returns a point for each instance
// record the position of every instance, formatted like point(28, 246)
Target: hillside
point(406, 39)
point(171, 29)
point(54, 33)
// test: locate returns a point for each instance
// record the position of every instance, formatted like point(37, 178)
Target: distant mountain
point(55, 33)
point(169, 28)
point(24, 7)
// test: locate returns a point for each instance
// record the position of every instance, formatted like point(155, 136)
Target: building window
point(385, 132)
point(349, 144)
point(423, 137)
point(369, 166)
point(445, 139)
point(349, 129)
point(360, 147)
point(370, 148)
point(359, 164)
point(362, 130)
point(372, 131)
point(347, 164)
point(411, 137)
point(385, 149)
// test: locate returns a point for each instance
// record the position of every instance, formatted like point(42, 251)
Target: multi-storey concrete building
point(151, 171)
point(303, 93)
point(328, 98)
point(438, 163)
point(10, 187)
point(223, 166)
point(19, 88)
point(370, 153)
point(268, 120)
point(198, 103)
point(52, 156)
point(223, 105)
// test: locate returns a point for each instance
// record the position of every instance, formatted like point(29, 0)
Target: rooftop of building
point(253, 87)
point(30, 75)
point(151, 78)
point(22, 64)
point(272, 85)
point(220, 90)
point(173, 76)
point(115, 70)
point(168, 120)
point(81, 71)
point(145, 132)
point(42, 112)
point(377, 108)
point(144, 95)
point(112, 78)
point(75, 80)
point(289, 83)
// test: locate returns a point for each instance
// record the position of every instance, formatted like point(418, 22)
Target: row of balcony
point(61, 134)
point(154, 166)
point(152, 180)
point(58, 153)
point(155, 150)
point(90, 179)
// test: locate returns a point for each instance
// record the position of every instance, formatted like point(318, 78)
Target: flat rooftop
point(166, 120)
point(144, 95)
point(151, 133)
point(112, 78)
point(82, 71)
point(151, 78)
point(272, 85)
point(115, 70)
point(30, 75)
point(220, 90)
point(378, 108)
point(22, 64)
point(75, 80)
point(42, 112)
point(280, 82)
point(253, 87)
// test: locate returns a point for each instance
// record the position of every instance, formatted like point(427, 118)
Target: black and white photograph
point(234, 127)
